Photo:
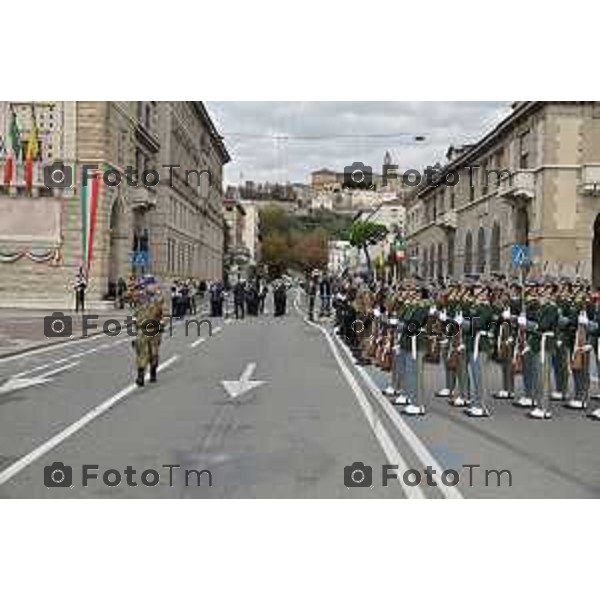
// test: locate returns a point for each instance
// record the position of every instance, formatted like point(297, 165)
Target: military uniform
point(148, 314)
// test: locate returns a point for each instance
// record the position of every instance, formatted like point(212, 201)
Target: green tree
point(364, 234)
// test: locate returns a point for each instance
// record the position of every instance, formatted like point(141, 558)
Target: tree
point(274, 219)
point(310, 250)
point(275, 250)
point(364, 234)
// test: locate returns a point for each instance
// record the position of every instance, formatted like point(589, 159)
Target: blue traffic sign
point(519, 255)
point(139, 258)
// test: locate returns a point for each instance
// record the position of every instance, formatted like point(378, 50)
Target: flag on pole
point(14, 143)
point(89, 209)
point(33, 150)
point(400, 248)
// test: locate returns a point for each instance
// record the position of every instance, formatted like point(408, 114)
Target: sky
point(285, 141)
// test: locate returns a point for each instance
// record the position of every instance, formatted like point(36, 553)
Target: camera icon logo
point(58, 325)
point(58, 475)
point(358, 475)
point(358, 175)
point(58, 175)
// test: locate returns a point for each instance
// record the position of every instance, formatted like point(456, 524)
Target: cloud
point(285, 141)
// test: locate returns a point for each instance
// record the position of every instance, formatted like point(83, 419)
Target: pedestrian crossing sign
point(519, 255)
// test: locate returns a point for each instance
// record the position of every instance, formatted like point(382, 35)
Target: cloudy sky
point(285, 141)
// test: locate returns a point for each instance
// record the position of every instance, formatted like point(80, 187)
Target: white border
point(295, 549)
point(275, 50)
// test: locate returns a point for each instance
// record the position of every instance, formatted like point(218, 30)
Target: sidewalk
point(22, 330)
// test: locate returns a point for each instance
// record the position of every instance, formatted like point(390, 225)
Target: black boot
point(140, 377)
point(153, 374)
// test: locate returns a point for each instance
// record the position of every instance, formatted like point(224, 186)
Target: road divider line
point(197, 342)
point(201, 340)
point(60, 437)
point(48, 348)
point(385, 441)
point(58, 361)
point(417, 446)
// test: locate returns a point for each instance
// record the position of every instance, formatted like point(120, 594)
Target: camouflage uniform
point(148, 319)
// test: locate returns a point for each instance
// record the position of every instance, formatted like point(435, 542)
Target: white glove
point(506, 314)
point(459, 319)
point(522, 321)
point(443, 316)
point(393, 321)
point(376, 312)
point(583, 319)
point(432, 311)
point(588, 348)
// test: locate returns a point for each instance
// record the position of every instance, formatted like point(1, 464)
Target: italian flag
point(33, 151)
point(400, 248)
point(89, 209)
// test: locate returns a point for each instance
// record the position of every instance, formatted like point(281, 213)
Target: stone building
point(534, 180)
point(45, 232)
point(250, 234)
point(187, 226)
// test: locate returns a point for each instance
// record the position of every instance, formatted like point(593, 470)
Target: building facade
point(250, 232)
point(187, 226)
point(533, 181)
point(109, 229)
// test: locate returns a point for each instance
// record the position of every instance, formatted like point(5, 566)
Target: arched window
point(481, 250)
point(468, 253)
point(425, 263)
point(440, 262)
point(432, 261)
point(495, 248)
point(451, 254)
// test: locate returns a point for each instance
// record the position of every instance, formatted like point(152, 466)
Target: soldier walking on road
point(149, 312)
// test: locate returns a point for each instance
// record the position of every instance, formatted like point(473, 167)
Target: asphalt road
point(304, 412)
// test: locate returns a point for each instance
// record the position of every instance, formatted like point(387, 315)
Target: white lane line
point(70, 357)
point(19, 383)
point(407, 433)
point(201, 340)
point(54, 441)
point(385, 441)
point(60, 369)
point(197, 342)
point(49, 348)
point(57, 362)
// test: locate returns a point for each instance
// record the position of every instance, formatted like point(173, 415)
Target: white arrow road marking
point(54, 441)
point(18, 383)
point(244, 384)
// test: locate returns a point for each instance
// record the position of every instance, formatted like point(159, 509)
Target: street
point(265, 408)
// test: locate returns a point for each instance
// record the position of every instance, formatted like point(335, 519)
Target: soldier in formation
point(539, 337)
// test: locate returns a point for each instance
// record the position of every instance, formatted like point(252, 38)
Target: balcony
point(517, 188)
point(448, 221)
point(18, 185)
point(590, 180)
point(142, 198)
